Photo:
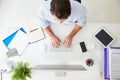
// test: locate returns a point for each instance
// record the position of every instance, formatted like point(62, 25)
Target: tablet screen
point(104, 37)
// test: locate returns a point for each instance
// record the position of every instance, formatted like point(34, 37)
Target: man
point(62, 12)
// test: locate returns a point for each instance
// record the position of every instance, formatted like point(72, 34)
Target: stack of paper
point(115, 65)
point(111, 63)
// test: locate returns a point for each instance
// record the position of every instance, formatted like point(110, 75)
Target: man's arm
point(54, 39)
point(75, 30)
point(68, 40)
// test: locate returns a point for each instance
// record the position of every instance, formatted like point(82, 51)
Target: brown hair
point(60, 8)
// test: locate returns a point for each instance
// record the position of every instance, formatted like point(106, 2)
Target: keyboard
point(61, 48)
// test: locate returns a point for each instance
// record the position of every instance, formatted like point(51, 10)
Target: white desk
point(35, 54)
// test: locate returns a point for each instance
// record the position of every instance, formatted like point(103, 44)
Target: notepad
point(35, 33)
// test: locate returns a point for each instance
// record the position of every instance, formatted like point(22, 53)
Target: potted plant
point(21, 71)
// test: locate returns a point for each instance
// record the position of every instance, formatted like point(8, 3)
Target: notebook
point(35, 34)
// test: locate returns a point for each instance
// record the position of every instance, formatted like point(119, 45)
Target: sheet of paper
point(114, 63)
point(20, 42)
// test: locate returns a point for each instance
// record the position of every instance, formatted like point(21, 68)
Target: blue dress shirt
point(78, 14)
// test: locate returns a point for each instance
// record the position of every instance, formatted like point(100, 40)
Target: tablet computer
point(104, 37)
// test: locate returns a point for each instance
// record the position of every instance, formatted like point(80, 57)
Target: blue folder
point(7, 40)
point(106, 64)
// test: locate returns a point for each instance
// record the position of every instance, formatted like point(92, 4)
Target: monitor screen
point(104, 37)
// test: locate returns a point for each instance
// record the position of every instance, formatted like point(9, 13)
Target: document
point(20, 42)
point(114, 60)
point(111, 63)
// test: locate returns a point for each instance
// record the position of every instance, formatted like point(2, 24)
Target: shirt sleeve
point(42, 18)
point(83, 19)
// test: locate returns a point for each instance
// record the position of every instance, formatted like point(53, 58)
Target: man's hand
point(68, 41)
point(55, 41)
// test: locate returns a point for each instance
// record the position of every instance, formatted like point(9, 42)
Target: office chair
point(78, 1)
point(75, 0)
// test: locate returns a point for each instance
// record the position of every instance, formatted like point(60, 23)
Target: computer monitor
point(60, 67)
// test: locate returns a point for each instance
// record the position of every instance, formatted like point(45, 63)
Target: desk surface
point(37, 53)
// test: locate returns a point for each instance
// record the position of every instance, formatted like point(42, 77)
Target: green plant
point(21, 71)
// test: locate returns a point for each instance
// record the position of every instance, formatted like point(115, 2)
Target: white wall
point(103, 10)
point(98, 10)
point(16, 11)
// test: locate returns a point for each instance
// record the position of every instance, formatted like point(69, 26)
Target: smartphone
point(83, 47)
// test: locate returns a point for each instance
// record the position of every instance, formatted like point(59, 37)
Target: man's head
point(60, 9)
